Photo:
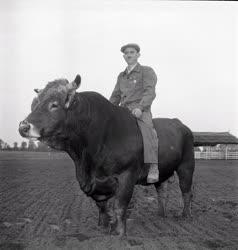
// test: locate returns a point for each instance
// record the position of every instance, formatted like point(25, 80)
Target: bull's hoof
point(187, 215)
point(115, 231)
point(128, 213)
point(161, 210)
point(162, 214)
point(103, 225)
point(118, 234)
point(103, 221)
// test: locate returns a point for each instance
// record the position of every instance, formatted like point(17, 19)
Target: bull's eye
point(53, 106)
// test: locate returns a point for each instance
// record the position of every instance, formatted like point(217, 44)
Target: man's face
point(131, 56)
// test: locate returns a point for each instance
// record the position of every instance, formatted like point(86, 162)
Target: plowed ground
point(42, 207)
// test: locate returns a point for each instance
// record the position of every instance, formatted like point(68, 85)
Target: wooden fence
point(217, 155)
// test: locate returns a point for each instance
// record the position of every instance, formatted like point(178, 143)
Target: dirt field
point(42, 207)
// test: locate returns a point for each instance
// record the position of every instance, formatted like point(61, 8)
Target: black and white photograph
point(118, 125)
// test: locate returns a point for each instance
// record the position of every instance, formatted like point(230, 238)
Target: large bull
point(106, 146)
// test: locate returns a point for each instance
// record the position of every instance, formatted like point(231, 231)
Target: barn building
point(217, 145)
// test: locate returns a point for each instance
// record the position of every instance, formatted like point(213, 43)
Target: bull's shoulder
point(90, 94)
point(93, 99)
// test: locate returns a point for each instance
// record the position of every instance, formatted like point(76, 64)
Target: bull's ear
point(77, 80)
point(75, 84)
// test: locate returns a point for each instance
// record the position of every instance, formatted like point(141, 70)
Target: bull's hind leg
point(162, 197)
point(185, 174)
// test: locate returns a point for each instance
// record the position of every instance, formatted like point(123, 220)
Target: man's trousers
point(150, 139)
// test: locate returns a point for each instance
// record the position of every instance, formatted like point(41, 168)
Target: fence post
point(226, 156)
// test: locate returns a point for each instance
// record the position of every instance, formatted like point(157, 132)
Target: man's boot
point(153, 175)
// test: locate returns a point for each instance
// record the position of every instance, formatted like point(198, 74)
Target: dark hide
point(106, 146)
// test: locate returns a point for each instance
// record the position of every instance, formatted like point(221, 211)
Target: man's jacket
point(136, 89)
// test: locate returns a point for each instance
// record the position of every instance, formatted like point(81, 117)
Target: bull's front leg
point(103, 218)
point(121, 201)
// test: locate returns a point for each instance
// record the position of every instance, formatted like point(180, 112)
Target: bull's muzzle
point(28, 130)
point(24, 128)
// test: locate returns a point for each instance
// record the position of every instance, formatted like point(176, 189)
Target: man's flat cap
point(130, 45)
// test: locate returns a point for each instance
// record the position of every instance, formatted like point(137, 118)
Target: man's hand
point(137, 112)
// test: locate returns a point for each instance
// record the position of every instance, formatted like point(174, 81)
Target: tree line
point(24, 146)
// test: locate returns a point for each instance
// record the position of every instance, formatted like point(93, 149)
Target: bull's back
point(172, 136)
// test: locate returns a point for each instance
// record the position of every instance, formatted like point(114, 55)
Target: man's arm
point(116, 94)
point(149, 82)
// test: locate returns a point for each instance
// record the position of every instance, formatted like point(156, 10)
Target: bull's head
point(49, 110)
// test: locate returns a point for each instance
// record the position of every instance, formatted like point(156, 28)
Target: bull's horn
point(75, 84)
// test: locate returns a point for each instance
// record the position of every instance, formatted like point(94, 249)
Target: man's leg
point(150, 142)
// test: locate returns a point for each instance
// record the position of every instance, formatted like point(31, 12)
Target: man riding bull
point(135, 90)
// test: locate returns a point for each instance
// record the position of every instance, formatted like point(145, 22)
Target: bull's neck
point(87, 125)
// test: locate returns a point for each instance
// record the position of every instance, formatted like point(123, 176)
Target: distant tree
point(4, 145)
point(42, 147)
point(23, 146)
point(1, 144)
point(15, 146)
point(233, 148)
point(7, 146)
point(31, 145)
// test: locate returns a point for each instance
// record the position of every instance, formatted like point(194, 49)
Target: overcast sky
point(192, 46)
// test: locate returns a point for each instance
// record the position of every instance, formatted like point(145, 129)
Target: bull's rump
point(174, 138)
